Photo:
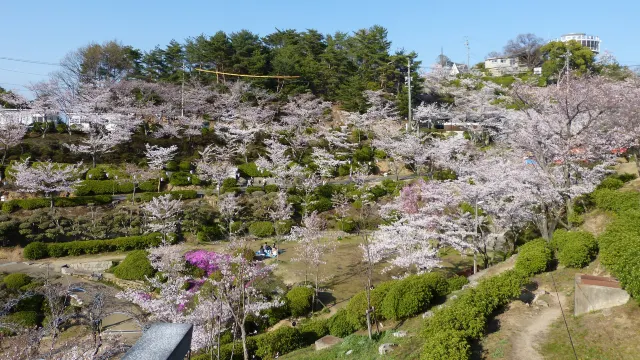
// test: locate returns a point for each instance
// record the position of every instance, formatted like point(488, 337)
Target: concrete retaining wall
point(596, 293)
point(92, 265)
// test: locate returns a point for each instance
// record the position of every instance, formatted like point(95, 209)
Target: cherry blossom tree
point(241, 139)
point(326, 162)
point(421, 223)
point(158, 157)
point(569, 131)
point(12, 131)
point(214, 165)
point(281, 211)
point(229, 208)
point(278, 164)
point(46, 177)
point(136, 175)
point(164, 215)
point(236, 289)
point(104, 133)
point(311, 248)
point(180, 298)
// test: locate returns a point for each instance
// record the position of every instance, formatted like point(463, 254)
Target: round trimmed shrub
point(620, 250)
point(339, 324)
point(17, 280)
point(299, 299)
point(534, 257)
point(282, 341)
point(96, 174)
point(408, 297)
point(136, 266)
point(261, 229)
point(35, 250)
point(357, 307)
point(578, 250)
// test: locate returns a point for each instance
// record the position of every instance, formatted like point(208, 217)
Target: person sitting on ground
point(267, 247)
point(274, 250)
point(261, 251)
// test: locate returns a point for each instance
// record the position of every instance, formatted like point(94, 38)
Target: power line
point(28, 61)
point(6, 83)
point(563, 317)
point(22, 72)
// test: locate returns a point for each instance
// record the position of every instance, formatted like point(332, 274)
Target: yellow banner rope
point(254, 76)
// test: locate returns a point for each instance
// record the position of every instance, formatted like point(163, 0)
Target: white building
point(590, 41)
point(26, 117)
point(498, 66)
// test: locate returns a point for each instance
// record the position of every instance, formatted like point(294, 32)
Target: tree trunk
point(243, 333)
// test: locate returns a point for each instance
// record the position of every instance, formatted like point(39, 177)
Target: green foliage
point(135, 266)
point(446, 174)
point(534, 257)
point(180, 178)
point(283, 227)
point(313, 330)
point(409, 297)
point(282, 341)
point(25, 318)
point(456, 282)
point(447, 344)
point(347, 224)
point(249, 170)
point(299, 300)
point(75, 248)
point(581, 60)
point(237, 226)
point(175, 195)
point(357, 307)
point(339, 324)
point(617, 201)
point(39, 203)
point(185, 166)
point(625, 177)
point(271, 188)
point(578, 250)
point(35, 250)
point(102, 187)
point(16, 280)
point(321, 204)
point(620, 250)
point(449, 332)
point(364, 154)
point(611, 183)
point(261, 229)
point(96, 174)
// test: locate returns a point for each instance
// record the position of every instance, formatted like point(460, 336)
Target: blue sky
point(45, 30)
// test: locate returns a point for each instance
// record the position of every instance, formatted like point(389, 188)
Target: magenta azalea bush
point(205, 260)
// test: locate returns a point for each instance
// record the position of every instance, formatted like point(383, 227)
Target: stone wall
point(94, 266)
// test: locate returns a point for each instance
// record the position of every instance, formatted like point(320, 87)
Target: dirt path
point(524, 341)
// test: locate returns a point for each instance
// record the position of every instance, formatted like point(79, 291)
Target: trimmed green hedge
point(25, 318)
point(75, 248)
point(283, 227)
point(449, 332)
point(357, 307)
point(299, 300)
point(413, 295)
point(261, 229)
point(31, 204)
point(534, 257)
point(175, 195)
point(457, 282)
point(103, 187)
point(181, 178)
point(575, 249)
point(620, 250)
point(339, 324)
point(617, 201)
point(314, 329)
point(280, 341)
point(136, 266)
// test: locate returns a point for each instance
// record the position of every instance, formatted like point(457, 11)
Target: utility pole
point(409, 91)
point(182, 92)
point(466, 43)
